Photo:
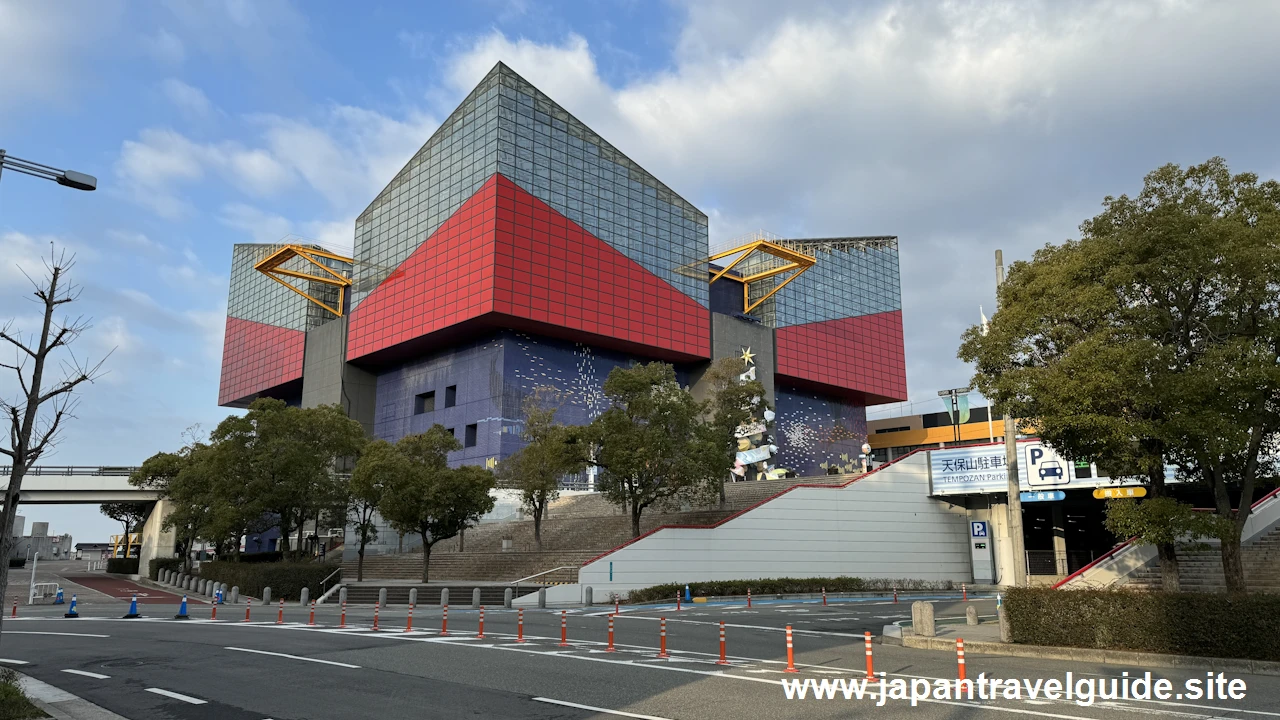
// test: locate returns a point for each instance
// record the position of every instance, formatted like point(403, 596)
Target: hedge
point(1201, 624)
point(123, 566)
point(286, 579)
point(157, 564)
point(773, 586)
point(260, 557)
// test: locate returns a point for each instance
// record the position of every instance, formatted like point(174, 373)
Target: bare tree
point(40, 409)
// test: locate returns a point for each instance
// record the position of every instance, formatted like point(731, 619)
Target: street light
point(66, 178)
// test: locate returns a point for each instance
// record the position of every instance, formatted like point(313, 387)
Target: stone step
point(460, 595)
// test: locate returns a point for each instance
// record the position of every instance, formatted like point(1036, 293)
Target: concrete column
point(444, 597)
point(542, 597)
point(305, 597)
point(506, 598)
point(266, 595)
point(587, 595)
point(235, 595)
point(971, 615)
point(922, 618)
point(342, 594)
point(382, 597)
point(413, 596)
point(475, 598)
point(1060, 537)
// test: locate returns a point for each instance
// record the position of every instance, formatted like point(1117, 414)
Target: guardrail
point(109, 470)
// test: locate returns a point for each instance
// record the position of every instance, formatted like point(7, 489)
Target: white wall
point(882, 526)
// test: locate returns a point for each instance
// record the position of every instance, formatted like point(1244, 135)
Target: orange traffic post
point(662, 639)
point(248, 602)
point(871, 671)
point(376, 607)
point(312, 620)
point(677, 602)
point(214, 616)
point(824, 597)
point(408, 626)
point(723, 660)
point(520, 626)
point(342, 622)
point(615, 607)
point(611, 648)
point(748, 597)
point(791, 658)
point(895, 595)
point(15, 609)
point(444, 620)
point(960, 656)
point(280, 617)
point(481, 633)
point(965, 589)
point(564, 629)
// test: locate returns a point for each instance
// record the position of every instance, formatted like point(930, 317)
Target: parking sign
point(978, 529)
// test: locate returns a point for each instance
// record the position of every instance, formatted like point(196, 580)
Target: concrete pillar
point(587, 595)
point(542, 597)
point(475, 598)
point(161, 577)
point(235, 595)
point(305, 597)
point(444, 597)
point(413, 596)
point(1006, 634)
point(382, 597)
point(191, 583)
point(342, 594)
point(1060, 536)
point(971, 615)
point(266, 595)
point(506, 598)
point(922, 618)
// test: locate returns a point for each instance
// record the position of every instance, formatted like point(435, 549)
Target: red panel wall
point(863, 354)
point(257, 357)
point(506, 255)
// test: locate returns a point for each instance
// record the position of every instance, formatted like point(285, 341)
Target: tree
point(186, 479)
point(426, 496)
point(129, 514)
point(38, 412)
point(379, 462)
point(1154, 339)
point(552, 452)
point(651, 445)
point(732, 403)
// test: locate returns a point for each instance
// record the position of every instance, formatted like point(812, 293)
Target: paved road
point(424, 674)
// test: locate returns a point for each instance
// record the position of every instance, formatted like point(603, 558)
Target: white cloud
point(165, 47)
point(191, 101)
point(263, 226)
point(136, 241)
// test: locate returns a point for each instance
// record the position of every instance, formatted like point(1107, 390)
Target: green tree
point(731, 403)
point(652, 446)
point(379, 462)
point(552, 452)
point(129, 514)
point(1154, 339)
point(426, 496)
point(185, 480)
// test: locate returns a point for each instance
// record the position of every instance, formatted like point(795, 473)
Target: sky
point(961, 127)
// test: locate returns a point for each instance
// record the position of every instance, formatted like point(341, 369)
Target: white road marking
point(36, 632)
point(294, 657)
point(7, 661)
point(96, 676)
point(592, 708)
point(178, 696)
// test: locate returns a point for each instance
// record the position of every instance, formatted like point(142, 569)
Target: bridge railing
point(104, 470)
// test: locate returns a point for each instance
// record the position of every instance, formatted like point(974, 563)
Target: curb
point(61, 704)
point(1091, 655)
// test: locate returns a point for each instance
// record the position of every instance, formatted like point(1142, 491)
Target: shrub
point(17, 562)
point(773, 586)
point(13, 701)
point(286, 579)
point(1202, 624)
point(157, 564)
point(260, 557)
point(123, 566)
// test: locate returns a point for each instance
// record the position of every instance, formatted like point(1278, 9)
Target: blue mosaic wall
point(816, 432)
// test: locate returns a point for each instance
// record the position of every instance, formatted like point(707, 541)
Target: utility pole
point(1011, 465)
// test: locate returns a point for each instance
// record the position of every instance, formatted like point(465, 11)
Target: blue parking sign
point(978, 529)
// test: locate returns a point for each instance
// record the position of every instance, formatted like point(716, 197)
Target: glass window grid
point(843, 283)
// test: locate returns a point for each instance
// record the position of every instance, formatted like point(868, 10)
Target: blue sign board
point(1042, 496)
point(978, 529)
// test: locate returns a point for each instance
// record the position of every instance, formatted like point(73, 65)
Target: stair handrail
point(325, 581)
point(544, 572)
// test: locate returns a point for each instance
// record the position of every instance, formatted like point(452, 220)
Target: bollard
point(677, 601)
point(824, 597)
point(611, 648)
point(475, 598)
point(723, 659)
point(133, 608)
point(662, 638)
point(542, 598)
point(413, 596)
point(182, 610)
point(588, 594)
point(342, 622)
point(342, 595)
point(15, 609)
point(871, 671)
point(382, 597)
point(408, 626)
point(312, 620)
point(280, 617)
point(791, 658)
point(190, 584)
point(266, 596)
point(971, 615)
point(960, 656)
point(304, 597)
point(376, 608)
point(248, 604)
point(615, 606)
point(748, 597)
point(235, 595)
point(965, 590)
point(1006, 633)
point(564, 629)
point(895, 595)
point(520, 625)
point(71, 611)
point(922, 618)
point(481, 633)
point(506, 598)
point(214, 614)
point(444, 597)
point(444, 620)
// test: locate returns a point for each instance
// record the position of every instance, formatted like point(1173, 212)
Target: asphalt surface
point(424, 674)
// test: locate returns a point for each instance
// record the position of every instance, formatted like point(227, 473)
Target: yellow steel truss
point(791, 260)
point(272, 267)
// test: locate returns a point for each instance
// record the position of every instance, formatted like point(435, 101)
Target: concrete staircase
point(1201, 570)
point(477, 566)
point(460, 594)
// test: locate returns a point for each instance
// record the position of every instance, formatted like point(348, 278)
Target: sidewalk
point(61, 704)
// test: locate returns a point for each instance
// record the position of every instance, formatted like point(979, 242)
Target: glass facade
point(848, 280)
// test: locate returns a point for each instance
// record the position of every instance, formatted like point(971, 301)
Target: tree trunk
point(462, 540)
point(1232, 565)
point(6, 528)
point(1170, 573)
point(722, 500)
point(360, 563)
point(635, 520)
point(538, 509)
point(426, 558)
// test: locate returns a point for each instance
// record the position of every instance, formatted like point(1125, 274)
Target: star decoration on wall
point(747, 356)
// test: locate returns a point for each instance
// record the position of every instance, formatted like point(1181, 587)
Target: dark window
point(451, 396)
point(904, 428)
point(424, 403)
point(469, 439)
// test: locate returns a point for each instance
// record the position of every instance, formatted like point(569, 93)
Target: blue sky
point(959, 126)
